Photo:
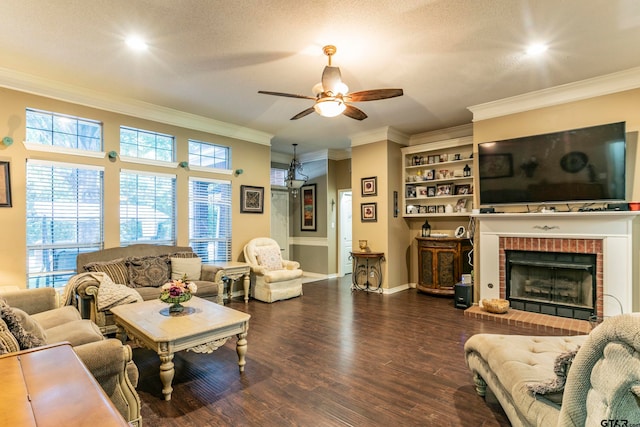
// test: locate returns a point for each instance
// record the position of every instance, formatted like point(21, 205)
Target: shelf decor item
point(175, 293)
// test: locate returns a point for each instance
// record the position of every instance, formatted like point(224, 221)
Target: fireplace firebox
point(556, 283)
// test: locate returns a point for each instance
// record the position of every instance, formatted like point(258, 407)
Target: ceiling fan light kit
point(332, 97)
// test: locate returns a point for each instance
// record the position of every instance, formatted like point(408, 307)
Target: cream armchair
point(272, 278)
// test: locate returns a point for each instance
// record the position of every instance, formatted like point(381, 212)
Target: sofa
point(31, 318)
point(272, 278)
point(143, 267)
point(562, 380)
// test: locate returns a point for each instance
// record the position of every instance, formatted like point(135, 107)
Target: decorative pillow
point(30, 325)
point(24, 338)
point(269, 257)
point(148, 271)
point(116, 270)
point(186, 266)
point(561, 369)
point(8, 343)
point(185, 254)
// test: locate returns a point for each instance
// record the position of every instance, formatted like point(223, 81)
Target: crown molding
point(442, 134)
point(381, 134)
point(576, 91)
point(70, 93)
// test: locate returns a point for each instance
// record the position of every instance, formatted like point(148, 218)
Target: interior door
point(280, 220)
point(345, 231)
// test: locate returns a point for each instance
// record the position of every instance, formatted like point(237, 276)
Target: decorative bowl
point(495, 305)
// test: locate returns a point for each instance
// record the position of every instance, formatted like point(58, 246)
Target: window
point(60, 130)
point(64, 218)
point(146, 145)
point(147, 208)
point(205, 154)
point(279, 177)
point(210, 219)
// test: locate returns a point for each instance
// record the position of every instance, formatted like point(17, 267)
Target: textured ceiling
point(210, 57)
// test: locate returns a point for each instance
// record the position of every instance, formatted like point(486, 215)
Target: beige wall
point(252, 158)
point(622, 106)
point(388, 233)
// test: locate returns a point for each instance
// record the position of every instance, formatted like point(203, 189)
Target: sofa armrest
point(208, 272)
point(290, 265)
point(111, 364)
point(32, 301)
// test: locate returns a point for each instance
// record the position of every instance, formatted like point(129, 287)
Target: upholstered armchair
point(272, 278)
point(42, 322)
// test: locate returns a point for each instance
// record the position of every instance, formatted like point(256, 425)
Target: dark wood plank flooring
point(332, 357)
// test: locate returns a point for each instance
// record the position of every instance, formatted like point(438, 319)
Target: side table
point(233, 271)
point(367, 271)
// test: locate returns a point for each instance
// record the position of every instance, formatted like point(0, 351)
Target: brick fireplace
point(611, 236)
point(554, 245)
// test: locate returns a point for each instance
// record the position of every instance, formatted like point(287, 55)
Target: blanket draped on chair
point(109, 295)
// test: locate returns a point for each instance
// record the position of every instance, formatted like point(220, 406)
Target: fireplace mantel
point(619, 232)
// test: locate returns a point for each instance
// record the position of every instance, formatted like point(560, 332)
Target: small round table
point(367, 271)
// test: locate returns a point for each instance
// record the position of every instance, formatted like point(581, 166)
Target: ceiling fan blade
point(288, 95)
point(373, 95)
point(302, 114)
point(331, 79)
point(354, 113)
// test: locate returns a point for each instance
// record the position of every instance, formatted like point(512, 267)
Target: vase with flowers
point(176, 292)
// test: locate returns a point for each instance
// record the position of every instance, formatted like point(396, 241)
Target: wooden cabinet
point(441, 263)
point(436, 175)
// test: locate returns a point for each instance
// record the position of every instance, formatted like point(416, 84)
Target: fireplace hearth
point(556, 283)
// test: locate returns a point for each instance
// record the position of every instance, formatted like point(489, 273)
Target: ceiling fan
point(332, 97)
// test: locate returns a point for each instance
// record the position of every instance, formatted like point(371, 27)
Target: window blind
point(210, 219)
point(147, 208)
point(64, 217)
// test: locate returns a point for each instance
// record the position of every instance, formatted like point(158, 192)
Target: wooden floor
point(332, 357)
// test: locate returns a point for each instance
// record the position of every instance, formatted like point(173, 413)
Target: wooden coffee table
point(203, 331)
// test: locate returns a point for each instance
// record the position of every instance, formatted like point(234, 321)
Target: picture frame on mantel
point(308, 207)
point(5, 185)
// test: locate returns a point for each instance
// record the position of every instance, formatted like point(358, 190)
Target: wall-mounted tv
point(577, 165)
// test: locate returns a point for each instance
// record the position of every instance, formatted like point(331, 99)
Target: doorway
point(280, 220)
point(344, 232)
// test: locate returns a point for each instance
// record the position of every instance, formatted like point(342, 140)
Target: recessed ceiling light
point(537, 48)
point(136, 43)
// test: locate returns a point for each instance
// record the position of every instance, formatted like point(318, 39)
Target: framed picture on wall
point(251, 199)
point(5, 185)
point(369, 186)
point(368, 212)
point(308, 207)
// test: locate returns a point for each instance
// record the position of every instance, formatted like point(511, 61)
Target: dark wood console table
point(367, 271)
point(441, 263)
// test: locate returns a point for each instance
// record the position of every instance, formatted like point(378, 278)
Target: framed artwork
point(368, 212)
point(463, 189)
point(5, 185)
point(369, 186)
point(251, 199)
point(431, 191)
point(443, 190)
point(496, 165)
point(441, 209)
point(308, 207)
point(431, 209)
point(429, 174)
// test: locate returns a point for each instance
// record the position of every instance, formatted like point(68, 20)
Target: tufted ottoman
point(603, 381)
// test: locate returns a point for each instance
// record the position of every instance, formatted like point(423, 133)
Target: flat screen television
point(577, 165)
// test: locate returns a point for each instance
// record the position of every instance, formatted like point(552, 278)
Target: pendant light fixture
point(295, 168)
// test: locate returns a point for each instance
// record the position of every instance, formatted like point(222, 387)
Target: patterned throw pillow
point(269, 257)
point(25, 338)
point(116, 270)
point(148, 271)
point(184, 254)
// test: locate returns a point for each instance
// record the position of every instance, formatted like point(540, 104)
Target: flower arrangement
point(177, 291)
